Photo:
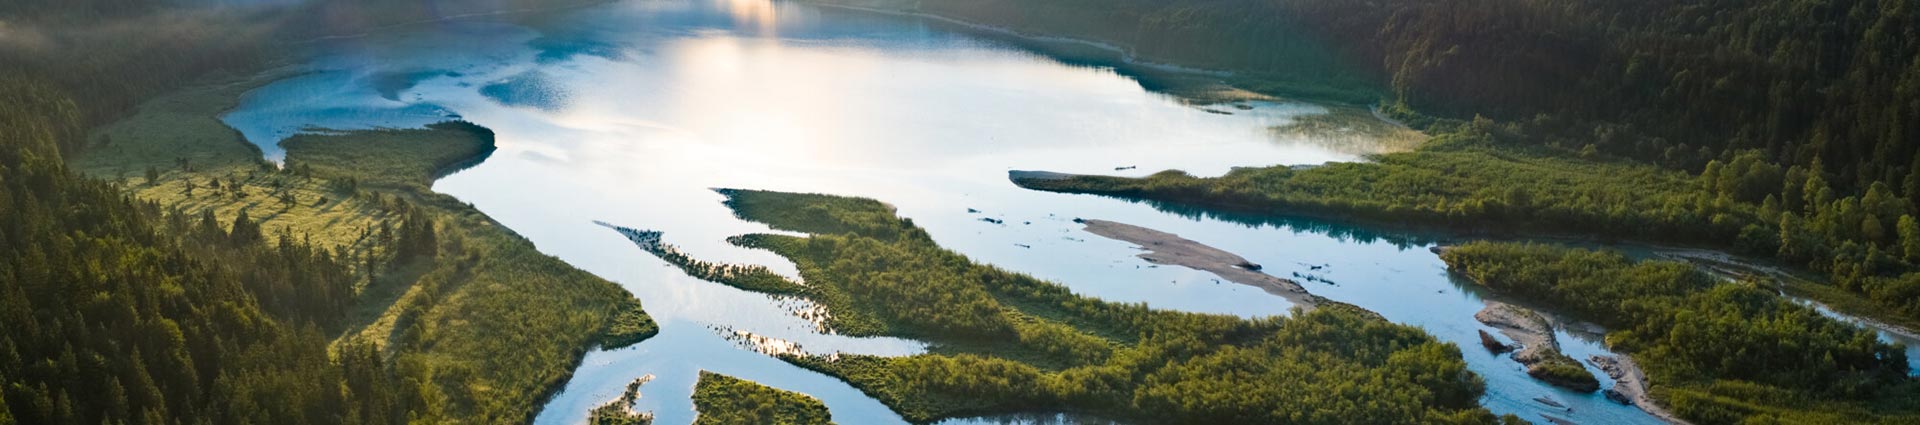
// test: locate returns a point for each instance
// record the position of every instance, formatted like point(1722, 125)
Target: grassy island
point(726, 400)
point(1009, 343)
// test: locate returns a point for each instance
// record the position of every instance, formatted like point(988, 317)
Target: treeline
point(1258, 40)
point(1812, 103)
point(1677, 83)
point(1010, 343)
point(120, 311)
point(116, 312)
point(1480, 177)
point(1681, 83)
point(487, 324)
point(1718, 352)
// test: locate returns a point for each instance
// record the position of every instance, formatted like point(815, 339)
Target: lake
point(630, 113)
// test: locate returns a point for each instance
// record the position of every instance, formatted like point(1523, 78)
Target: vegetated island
point(726, 400)
point(620, 411)
point(1716, 352)
point(1539, 351)
point(1005, 342)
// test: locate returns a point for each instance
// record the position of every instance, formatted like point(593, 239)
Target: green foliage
point(491, 324)
point(1462, 180)
point(1724, 352)
point(1474, 177)
point(391, 157)
point(118, 313)
point(1006, 342)
point(755, 277)
point(620, 410)
point(1678, 83)
point(725, 400)
point(1566, 372)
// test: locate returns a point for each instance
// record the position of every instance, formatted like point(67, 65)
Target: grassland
point(484, 323)
point(1009, 343)
point(726, 400)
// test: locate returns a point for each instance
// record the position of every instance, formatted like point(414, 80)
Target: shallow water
point(629, 113)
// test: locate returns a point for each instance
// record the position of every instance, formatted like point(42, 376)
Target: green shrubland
point(1006, 342)
point(1717, 352)
point(726, 400)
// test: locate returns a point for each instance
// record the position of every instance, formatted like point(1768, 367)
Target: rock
point(1617, 397)
point(1549, 402)
point(1493, 345)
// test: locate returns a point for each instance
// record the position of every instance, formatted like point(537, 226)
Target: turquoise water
point(630, 113)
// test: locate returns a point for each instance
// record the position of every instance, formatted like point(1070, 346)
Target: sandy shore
point(1168, 248)
point(1532, 333)
point(1539, 350)
point(1631, 382)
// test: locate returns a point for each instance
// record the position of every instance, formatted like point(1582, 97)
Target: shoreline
point(1167, 248)
point(398, 25)
point(1630, 381)
point(1127, 54)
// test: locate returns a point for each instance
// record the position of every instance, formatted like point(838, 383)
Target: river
point(630, 113)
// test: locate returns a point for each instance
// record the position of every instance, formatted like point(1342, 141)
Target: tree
point(244, 231)
point(1909, 230)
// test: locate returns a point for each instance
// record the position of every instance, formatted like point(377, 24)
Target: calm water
point(629, 113)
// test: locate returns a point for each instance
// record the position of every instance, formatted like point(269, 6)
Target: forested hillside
point(117, 313)
point(1677, 83)
point(185, 306)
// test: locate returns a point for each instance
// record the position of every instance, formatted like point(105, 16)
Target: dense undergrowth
point(726, 400)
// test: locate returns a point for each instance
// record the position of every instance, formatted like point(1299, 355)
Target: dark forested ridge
point(1678, 83)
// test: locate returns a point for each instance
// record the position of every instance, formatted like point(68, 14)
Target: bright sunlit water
point(630, 113)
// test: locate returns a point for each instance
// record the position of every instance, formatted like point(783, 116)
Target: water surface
point(629, 113)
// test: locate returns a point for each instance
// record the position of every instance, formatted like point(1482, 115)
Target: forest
point(1481, 177)
point(1796, 118)
point(1679, 84)
point(1721, 352)
point(239, 321)
point(232, 306)
point(118, 312)
point(1009, 343)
